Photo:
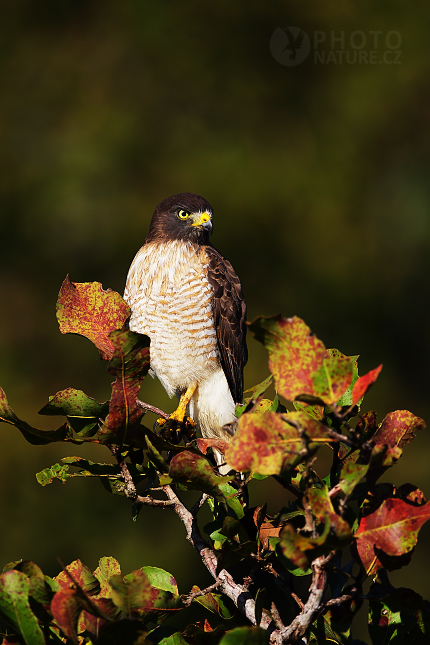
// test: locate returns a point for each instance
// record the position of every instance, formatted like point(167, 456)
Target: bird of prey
point(187, 298)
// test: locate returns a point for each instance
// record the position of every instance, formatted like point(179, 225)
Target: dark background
point(318, 175)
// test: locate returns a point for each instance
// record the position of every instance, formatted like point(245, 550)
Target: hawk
point(187, 298)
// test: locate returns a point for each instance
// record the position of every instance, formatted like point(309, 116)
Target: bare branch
point(301, 623)
point(341, 599)
point(276, 617)
point(151, 501)
point(130, 488)
point(226, 584)
point(197, 506)
point(151, 408)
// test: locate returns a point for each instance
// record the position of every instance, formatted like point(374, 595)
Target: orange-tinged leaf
point(268, 443)
point(87, 309)
point(363, 384)
point(300, 362)
point(392, 528)
point(204, 444)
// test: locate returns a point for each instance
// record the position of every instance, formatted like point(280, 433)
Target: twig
point(130, 488)
point(341, 599)
point(187, 600)
point(151, 408)
point(151, 501)
point(197, 506)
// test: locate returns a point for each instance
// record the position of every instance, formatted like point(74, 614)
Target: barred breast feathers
point(171, 301)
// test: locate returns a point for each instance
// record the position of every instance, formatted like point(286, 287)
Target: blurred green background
point(318, 175)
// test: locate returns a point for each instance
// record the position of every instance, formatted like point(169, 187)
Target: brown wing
point(229, 311)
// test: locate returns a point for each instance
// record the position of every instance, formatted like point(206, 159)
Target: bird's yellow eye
point(183, 214)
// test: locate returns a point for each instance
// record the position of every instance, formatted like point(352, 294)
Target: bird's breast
point(171, 302)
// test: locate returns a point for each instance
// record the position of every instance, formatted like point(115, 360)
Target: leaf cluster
point(337, 528)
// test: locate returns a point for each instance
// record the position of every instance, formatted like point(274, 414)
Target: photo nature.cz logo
point(290, 46)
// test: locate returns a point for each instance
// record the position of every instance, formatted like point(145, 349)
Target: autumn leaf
point(204, 444)
point(398, 428)
point(81, 575)
point(363, 384)
point(268, 443)
point(392, 528)
point(85, 308)
point(129, 364)
point(300, 362)
point(301, 550)
point(322, 508)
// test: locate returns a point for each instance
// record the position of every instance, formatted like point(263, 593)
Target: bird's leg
point(178, 416)
point(181, 410)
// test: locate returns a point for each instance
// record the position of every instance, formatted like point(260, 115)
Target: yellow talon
point(180, 412)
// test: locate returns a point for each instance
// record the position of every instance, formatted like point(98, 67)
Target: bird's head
point(185, 217)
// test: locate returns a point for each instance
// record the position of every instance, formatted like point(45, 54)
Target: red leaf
point(363, 384)
point(204, 444)
point(398, 428)
point(392, 528)
point(300, 362)
point(129, 364)
point(268, 443)
point(85, 308)
point(66, 608)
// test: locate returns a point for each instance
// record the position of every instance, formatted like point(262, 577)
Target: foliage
point(336, 528)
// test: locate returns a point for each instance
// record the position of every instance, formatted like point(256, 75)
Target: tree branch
point(226, 584)
point(301, 623)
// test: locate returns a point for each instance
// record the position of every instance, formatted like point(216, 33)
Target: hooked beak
point(203, 221)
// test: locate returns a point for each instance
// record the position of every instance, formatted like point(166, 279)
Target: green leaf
point(57, 471)
point(216, 603)
point(161, 579)
point(269, 443)
point(174, 639)
point(38, 589)
point(246, 636)
point(32, 435)
point(14, 604)
point(252, 394)
point(196, 473)
point(74, 403)
point(134, 593)
point(299, 361)
point(232, 500)
point(347, 398)
point(85, 308)
point(351, 475)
